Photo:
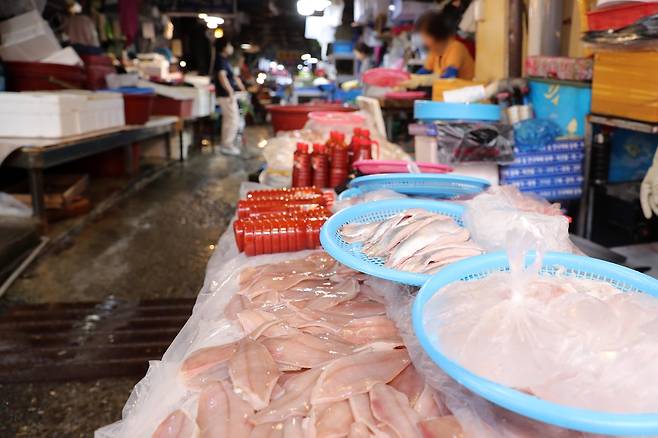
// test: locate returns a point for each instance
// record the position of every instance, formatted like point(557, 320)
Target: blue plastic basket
point(350, 254)
point(572, 418)
point(417, 184)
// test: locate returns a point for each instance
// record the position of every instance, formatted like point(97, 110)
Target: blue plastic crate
point(557, 193)
point(558, 146)
point(549, 158)
point(545, 182)
point(509, 172)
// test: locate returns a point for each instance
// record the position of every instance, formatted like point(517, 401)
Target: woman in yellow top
point(448, 58)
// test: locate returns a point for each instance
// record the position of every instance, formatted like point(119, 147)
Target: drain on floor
point(71, 341)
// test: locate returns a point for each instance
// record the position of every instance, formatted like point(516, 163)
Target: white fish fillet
point(253, 372)
point(222, 413)
point(177, 425)
point(391, 407)
point(357, 374)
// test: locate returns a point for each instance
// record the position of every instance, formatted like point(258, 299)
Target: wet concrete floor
point(153, 244)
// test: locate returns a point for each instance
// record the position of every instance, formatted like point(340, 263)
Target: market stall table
point(36, 154)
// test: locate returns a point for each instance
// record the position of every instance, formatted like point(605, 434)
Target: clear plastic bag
point(461, 142)
point(491, 216)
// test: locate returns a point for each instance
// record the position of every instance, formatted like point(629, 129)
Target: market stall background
point(112, 198)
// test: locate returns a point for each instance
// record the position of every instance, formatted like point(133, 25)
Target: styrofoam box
point(58, 114)
point(27, 37)
point(203, 101)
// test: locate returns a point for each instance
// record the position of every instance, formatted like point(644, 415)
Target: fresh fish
point(357, 374)
point(358, 232)
point(358, 430)
point(293, 428)
point(434, 234)
point(207, 364)
point(332, 420)
point(372, 328)
point(237, 304)
point(221, 413)
point(403, 231)
point(360, 405)
point(359, 308)
point(294, 402)
point(267, 430)
point(391, 407)
point(253, 372)
point(304, 350)
point(426, 405)
point(177, 425)
point(441, 427)
point(410, 383)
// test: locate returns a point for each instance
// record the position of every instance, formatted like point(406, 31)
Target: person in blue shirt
point(226, 84)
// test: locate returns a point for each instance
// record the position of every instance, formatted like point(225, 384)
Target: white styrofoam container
point(58, 114)
point(40, 114)
point(65, 56)
point(203, 95)
point(27, 37)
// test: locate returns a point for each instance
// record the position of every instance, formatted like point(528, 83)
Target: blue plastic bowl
point(548, 412)
point(417, 184)
point(351, 255)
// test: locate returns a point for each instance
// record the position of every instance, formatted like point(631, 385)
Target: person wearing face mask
point(226, 84)
point(447, 57)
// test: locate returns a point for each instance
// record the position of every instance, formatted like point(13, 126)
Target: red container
point(616, 17)
point(292, 117)
point(285, 193)
point(166, 106)
point(36, 76)
point(97, 67)
point(137, 108)
point(302, 174)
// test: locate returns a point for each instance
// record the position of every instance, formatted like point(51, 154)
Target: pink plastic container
point(406, 95)
point(334, 118)
point(370, 167)
point(385, 77)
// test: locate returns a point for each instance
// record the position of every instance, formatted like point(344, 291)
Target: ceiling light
point(305, 7)
point(280, 67)
point(260, 80)
point(203, 16)
point(219, 32)
point(299, 66)
point(212, 25)
point(273, 65)
point(391, 8)
point(306, 56)
point(321, 5)
point(313, 60)
point(245, 46)
point(182, 64)
point(214, 19)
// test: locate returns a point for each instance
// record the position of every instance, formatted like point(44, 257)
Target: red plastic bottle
point(339, 161)
point(365, 151)
point(302, 175)
point(320, 166)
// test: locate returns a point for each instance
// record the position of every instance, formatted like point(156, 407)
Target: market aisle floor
point(153, 244)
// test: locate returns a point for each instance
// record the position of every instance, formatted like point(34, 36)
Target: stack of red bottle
point(272, 221)
point(302, 173)
point(340, 161)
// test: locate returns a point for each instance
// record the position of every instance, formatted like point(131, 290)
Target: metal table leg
point(585, 200)
point(35, 177)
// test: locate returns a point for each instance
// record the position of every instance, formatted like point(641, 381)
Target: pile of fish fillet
point(319, 358)
point(573, 341)
point(415, 240)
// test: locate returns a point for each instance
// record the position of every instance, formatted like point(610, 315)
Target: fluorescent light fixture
point(305, 7)
point(321, 5)
point(214, 19)
point(306, 56)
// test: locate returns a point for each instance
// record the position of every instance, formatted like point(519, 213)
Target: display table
point(36, 154)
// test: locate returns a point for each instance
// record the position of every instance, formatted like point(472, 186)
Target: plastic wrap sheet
point(477, 417)
point(503, 212)
point(461, 142)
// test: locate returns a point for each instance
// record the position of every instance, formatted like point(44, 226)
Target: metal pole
point(515, 68)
